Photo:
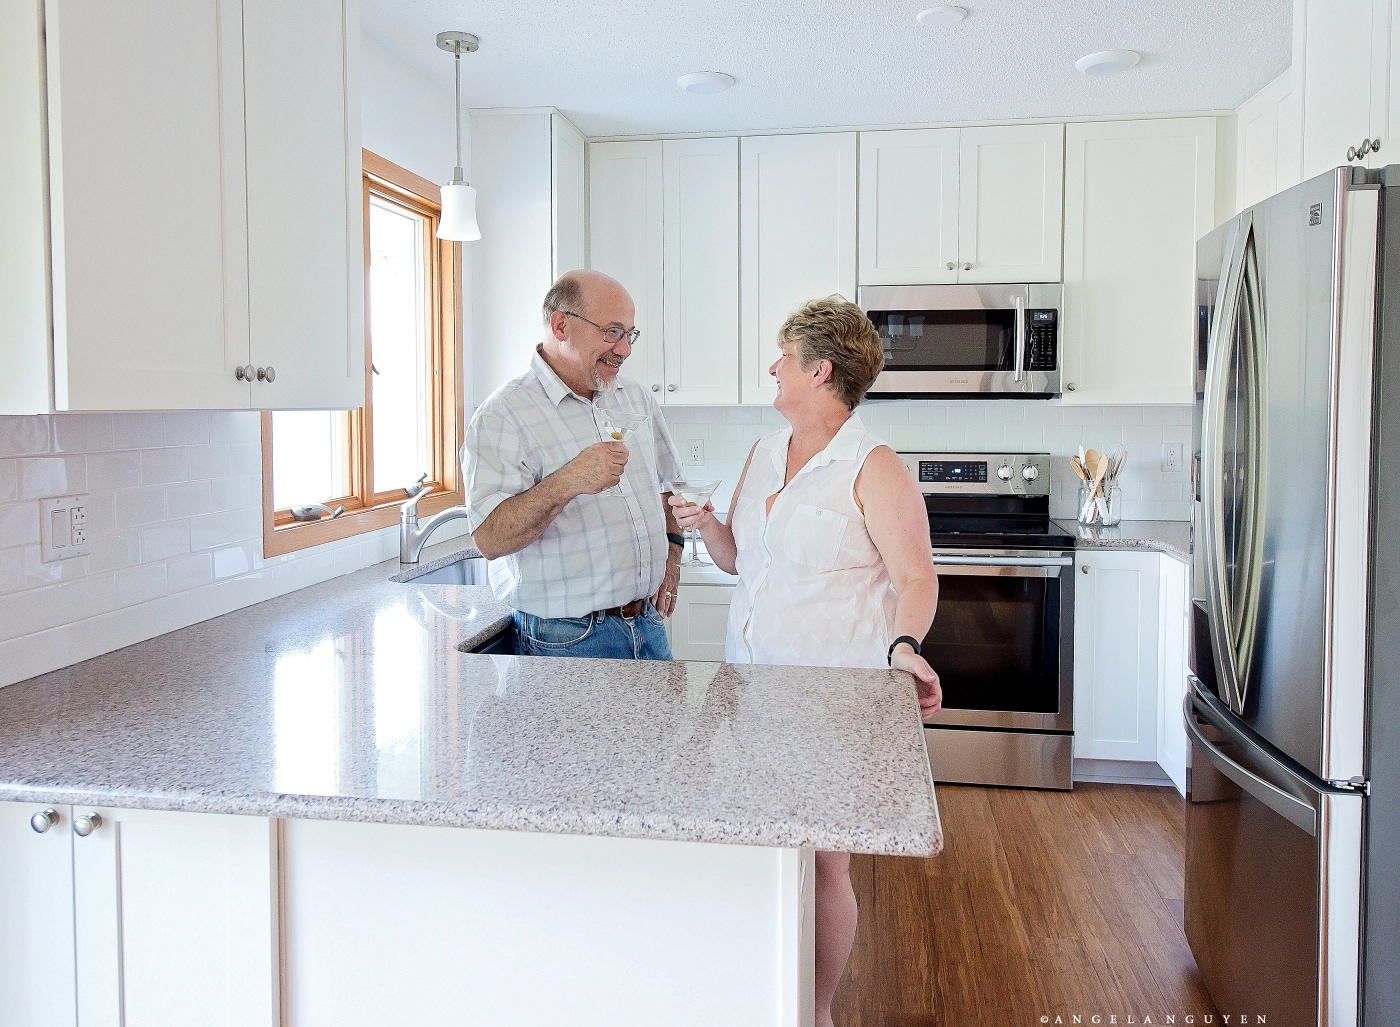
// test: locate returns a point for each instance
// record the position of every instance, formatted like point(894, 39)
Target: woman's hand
point(689, 516)
point(925, 677)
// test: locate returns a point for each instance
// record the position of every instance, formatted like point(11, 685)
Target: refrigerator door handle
point(1297, 812)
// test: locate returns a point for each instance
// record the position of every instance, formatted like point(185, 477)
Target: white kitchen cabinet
point(1268, 143)
point(1138, 194)
point(1116, 614)
point(909, 207)
point(36, 918)
point(1174, 637)
point(961, 205)
point(202, 164)
point(569, 203)
point(1345, 50)
point(625, 204)
point(175, 919)
point(1010, 208)
point(797, 239)
point(699, 622)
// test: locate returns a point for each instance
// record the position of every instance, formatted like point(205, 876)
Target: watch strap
point(675, 540)
point(913, 644)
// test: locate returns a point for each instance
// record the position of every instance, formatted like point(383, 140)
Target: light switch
point(63, 530)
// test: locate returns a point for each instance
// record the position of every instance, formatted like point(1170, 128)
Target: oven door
point(966, 340)
point(1002, 641)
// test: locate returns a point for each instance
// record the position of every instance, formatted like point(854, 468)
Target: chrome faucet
point(412, 536)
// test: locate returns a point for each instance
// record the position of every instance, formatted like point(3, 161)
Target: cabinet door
point(570, 204)
point(909, 207)
point(1172, 750)
point(701, 270)
point(1010, 187)
point(798, 239)
point(36, 918)
point(176, 920)
point(305, 218)
point(625, 241)
point(147, 218)
point(1115, 655)
point(700, 621)
point(1138, 194)
point(1337, 71)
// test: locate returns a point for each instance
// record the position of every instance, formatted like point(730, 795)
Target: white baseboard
point(1121, 772)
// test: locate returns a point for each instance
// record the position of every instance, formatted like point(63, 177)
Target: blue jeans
point(597, 635)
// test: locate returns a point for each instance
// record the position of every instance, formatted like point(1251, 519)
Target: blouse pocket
point(813, 536)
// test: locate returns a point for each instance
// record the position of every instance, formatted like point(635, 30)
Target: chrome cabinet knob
point(656, 388)
point(41, 822)
point(967, 266)
point(1084, 569)
point(670, 388)
point(1351, 153)
point(86, 824)
point(951, 265)
point(245, 373)
point(1375, 146)
point(1070, 386)
point(267, 374)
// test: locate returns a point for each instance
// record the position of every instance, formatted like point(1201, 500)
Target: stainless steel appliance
point(1293, 814)
point(993, 341)
point(1002, 640)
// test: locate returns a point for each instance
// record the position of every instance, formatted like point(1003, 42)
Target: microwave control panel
point(1041, 339)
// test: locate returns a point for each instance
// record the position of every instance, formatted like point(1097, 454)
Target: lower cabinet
point(698, 624)
point(149, 918)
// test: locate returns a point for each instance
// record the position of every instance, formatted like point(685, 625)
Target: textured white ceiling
point(611, 65)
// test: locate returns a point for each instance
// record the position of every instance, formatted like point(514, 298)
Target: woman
point(829, 536)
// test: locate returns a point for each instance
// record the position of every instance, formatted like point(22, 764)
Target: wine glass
point(619, 426)
point(695, 493)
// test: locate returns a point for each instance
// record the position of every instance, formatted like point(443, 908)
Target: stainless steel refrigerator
point(1292, 903)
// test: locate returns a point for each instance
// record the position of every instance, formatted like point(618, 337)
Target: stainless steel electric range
point(1003, 638)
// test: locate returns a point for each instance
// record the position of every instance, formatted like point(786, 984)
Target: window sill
point(290, 538)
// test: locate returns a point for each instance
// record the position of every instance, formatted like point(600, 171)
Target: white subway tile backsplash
point(233, 560)
point(81, 433)
point(238, 493)
point(139, 506)
point(23, 436)
point(212, 461)
point(187, 428)
point(113, 552)
point(162, 541)
point(41, 477)
point(188, 572)
point(245, 458)
point(111, 471)
point(140, 584)
point(9, 481)
point(189, 498)
point(19, 524)
point(162, 466)
point(138, 431)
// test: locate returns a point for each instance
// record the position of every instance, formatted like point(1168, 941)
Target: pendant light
point(458, 219)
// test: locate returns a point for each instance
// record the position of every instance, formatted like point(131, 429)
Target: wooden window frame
point(366, 512)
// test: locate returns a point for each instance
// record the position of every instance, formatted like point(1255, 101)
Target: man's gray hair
point(565, 294)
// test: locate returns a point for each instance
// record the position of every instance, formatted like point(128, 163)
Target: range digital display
point(950, 470)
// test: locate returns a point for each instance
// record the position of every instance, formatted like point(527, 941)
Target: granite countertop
point(1170, 537)
point(350, 700)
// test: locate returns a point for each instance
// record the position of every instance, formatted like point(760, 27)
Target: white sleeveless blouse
point(813, 590)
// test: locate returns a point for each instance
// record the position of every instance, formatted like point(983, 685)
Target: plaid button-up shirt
point(601, 551)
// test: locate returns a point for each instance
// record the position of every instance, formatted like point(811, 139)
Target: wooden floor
point(1043, 904)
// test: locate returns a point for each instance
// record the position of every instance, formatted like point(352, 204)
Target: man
point(580, 540)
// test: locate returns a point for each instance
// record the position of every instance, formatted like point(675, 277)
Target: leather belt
point(628, 610)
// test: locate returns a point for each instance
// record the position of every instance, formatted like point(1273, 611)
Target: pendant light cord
point(457, 109)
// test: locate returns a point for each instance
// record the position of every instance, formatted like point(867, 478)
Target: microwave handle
point(1020, 339)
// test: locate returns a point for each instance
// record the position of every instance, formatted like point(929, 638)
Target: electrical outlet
point(696, 457)
point(1173, 457)
point(63, 528)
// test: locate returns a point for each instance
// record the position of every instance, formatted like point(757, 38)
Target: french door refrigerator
point(1292, 904)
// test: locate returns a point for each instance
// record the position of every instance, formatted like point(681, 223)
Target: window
point(367, 460)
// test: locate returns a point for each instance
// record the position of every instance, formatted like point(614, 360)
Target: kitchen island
point(320, 810)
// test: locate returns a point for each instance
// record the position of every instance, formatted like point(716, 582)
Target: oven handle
point(1020, 339)
point(1004, 561)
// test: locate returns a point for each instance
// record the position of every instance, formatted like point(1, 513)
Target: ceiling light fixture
point(705, 82)
point(942, 16)
point(1107, 62)
point(457, 222)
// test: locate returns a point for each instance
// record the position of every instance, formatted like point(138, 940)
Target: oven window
point(947, 340)
point(995, 643)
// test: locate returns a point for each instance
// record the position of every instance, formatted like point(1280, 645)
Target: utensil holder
point(1105, 515)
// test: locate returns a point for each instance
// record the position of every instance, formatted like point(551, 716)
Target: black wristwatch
point(913, 644)
point(675, 540)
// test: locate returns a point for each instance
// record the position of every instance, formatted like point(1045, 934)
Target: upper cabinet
point(1342, 54)
point(798, 238)
point(204, 225)
point(969, 205)
point(1138, 194)
point(569, 206)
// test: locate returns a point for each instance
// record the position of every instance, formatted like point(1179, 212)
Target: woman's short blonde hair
point(837, 330)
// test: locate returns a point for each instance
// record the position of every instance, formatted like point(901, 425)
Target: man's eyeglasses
point(613, 333)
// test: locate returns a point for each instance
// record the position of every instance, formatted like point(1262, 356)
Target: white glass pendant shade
point(458, 220)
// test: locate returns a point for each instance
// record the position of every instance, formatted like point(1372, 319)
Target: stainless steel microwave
point(966, 341)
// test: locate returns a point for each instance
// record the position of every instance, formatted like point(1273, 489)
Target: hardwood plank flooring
point(1050, 904)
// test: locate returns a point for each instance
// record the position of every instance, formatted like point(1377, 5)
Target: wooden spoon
point(1100, 472)
point(1078, 468)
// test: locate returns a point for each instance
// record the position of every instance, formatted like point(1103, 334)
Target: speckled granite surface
point(1170, 537)
point(350, 700)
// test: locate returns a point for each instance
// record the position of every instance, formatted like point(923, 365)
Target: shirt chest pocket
point(813, 536)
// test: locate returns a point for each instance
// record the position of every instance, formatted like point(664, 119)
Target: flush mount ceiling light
point(457, 222)
point(1107, 62)
point(944, 15)
point(705, 82)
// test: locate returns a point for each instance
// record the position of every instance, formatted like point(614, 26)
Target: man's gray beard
point(601, 386)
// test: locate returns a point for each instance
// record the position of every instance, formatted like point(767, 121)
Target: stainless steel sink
point(470, 570)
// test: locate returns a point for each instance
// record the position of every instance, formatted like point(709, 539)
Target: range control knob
point(1004, 472)
point(1030, 472)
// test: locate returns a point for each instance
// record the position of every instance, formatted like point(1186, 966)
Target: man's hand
point(597, 468)
point(665, 598)
point(925, 677)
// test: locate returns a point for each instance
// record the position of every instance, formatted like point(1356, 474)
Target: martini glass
point(695, 493)
point(619, 426)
